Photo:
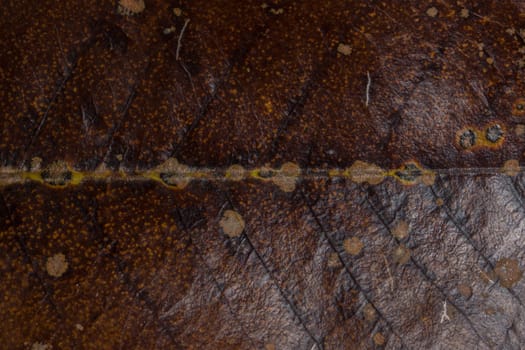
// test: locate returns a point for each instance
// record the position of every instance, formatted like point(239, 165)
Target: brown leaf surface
point(278, 175)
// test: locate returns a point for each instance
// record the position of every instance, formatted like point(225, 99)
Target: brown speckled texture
point(367, 261)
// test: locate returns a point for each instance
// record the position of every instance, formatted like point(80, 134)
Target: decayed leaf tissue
point(262, 174)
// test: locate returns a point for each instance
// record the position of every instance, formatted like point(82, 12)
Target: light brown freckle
point(286, 177)
point(235, 172)
point(130, 7)
point(353, 245)
point(232, 223)
point(428, 178)
point(464, 13)
point(333, 260)
point(440, 202)
point(369, 312)
point(508, 272)
point(511, 167)
point(41, 346)
point(520, 130)
point(344, 49)
point(465, 290)
point(379, 339)
point(177, 11)
point(400, 231)
point(79, 327)
point(269, 346)
point(366, 172)
point(490, 60)
point(56, 265)
point(432, 12)
point(36, 163)
point(401, 254)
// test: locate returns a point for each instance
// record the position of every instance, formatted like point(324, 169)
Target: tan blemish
point(177, 11)
point(520, 130)
point(379, 339)
point(232, 223)
point(490, 311)
point(269, 347)
point(464, 13)
point(440, 202)
point(490, 60)
point(130, 7)
point(334, 261)
point(428, 178)
point(465, 290)
point(353, 245)
point(79, 327)
point(277, 11)
point(269, 107)
point(286, 177)
point(235, 173)
point(401, 254)
point(369, 312)
point(344, 49)
point(400, 231)
point(511, 167)
point(508, 272)
point(41, 346)
point(36, 163)
point(56, 265)
point(432, 12)
point(365, 172)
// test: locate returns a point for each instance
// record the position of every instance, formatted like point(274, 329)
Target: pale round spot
point(56, 265)
point(401, 254)
point(344, 49)
point(365, 172)
point(232, 223)
point(465, 290)
point(428, 178)
point(36, 163)
point(511, 167)
point(235, 173)
point(79, 327)
point(464, 13)
point(520, 130)
point(130, 7)
point(400, 231)
point(353, 245)
point(440, 202)
point(41, 346)
point(379, 339)
point(508, 272)
point(432, 12)
point(369, 312)
point(177, 11)
point(333, 260)
point(286, 177)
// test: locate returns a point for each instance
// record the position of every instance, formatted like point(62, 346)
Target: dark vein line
point(346, 268)
point(268, 271)
point(48, 291)
point(423, 270)
point(467, 237)
point(238, 57)
point(216, 283)
point(92, 222)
